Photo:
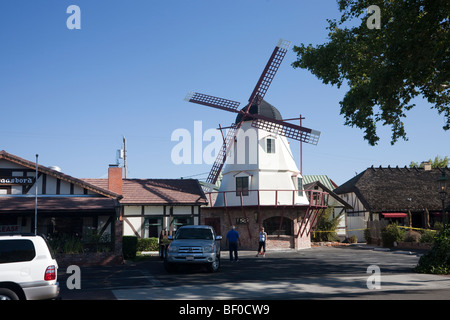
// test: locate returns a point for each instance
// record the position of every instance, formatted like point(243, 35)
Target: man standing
point(232, 242)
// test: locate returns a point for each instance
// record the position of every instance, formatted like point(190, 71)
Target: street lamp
point(442, 181)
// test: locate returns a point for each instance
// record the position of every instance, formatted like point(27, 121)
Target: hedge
point(147, 244)
point(129, 247)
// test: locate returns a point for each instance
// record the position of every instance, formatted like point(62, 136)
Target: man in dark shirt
point(232, 242)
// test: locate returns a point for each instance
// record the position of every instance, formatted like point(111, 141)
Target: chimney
point(115, 178)
point(426, 165)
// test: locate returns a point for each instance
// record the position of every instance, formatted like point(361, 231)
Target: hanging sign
point(16, 180)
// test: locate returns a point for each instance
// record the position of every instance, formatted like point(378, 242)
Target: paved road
point(317, 273)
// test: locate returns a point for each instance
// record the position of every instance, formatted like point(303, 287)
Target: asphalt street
point(316, 273)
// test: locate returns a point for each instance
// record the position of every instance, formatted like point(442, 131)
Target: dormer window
point(270, 145)
point(242, 186)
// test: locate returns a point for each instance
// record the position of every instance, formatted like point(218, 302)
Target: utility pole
point(301, 149)
point(36, 196)
point(125, 156)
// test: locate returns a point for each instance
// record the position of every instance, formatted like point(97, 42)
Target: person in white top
point(262, 242)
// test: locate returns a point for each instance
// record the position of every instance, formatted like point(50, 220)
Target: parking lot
point(316, 273)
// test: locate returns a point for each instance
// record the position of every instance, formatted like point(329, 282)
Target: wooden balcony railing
point(266, 197)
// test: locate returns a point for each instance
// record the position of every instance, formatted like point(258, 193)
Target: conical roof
point(264, 109)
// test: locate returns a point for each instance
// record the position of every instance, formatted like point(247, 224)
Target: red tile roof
point(157, 191)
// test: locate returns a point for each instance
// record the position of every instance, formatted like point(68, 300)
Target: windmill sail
point(211, 101)
point(222, 155)
point(269, 71)
point(288, 130)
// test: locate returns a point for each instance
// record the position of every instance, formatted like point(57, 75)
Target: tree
point(326, 226)
point(385, 68)
point(437, 163)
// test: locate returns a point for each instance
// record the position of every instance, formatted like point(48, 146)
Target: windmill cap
point(263, 109)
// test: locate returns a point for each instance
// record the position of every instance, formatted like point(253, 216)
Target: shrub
point(427, 237)
point(352, 239)
point(412, 236)
point(65, 243)
point(392, 233)
point(438, 226)
point(147, 244)
point(129, 247)
point(437, 260)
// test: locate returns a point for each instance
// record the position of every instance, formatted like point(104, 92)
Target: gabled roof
point(323, 178)
point(399, 189)
point(158, 191)
point(312, 185)
point(59, 175)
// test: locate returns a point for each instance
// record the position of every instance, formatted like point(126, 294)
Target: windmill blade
point(222, 155)
point(269, 71)
point(286, 129)
point(211, 101)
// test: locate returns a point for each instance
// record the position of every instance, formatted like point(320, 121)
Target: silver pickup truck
point(193, 245)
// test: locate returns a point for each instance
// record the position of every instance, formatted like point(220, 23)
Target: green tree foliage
point(437, 260)
point(392, 233)
point(438, 162)
point(326, 226)
point(385, 68)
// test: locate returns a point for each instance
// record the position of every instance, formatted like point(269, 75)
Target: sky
point(71, 95)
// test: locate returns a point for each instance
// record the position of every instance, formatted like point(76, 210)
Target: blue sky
point(70, 95)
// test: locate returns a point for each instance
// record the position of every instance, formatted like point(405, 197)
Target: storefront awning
point(56, 204)
point(395, 215)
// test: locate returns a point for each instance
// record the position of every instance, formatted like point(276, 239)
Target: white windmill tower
point(260, 171)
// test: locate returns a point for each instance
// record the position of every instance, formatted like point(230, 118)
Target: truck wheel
point(215, 265)
point(7, 294)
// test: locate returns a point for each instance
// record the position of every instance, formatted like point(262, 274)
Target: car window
point(16, 250)
point(194, 233)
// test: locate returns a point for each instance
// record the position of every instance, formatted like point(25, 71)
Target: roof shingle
point(158, 191)
point(399, 189)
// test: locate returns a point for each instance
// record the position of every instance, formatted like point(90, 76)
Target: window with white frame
point(270, 145)
point(242, 184)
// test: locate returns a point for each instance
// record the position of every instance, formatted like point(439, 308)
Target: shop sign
point(16, 180)
point(242, 220)
point(10, 229)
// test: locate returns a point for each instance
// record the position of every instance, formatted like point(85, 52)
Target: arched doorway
point(279, 226)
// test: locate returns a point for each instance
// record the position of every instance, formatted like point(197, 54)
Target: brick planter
point(414, 245)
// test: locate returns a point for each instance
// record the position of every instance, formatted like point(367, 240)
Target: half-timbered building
point(408, 196)
point(62, 204)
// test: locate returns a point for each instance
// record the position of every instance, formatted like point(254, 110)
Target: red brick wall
point(115, 179)
point(249, 232)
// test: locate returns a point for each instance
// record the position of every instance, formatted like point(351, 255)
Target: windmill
point(259, 121)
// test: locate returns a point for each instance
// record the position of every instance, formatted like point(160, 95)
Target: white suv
point(28, 270)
